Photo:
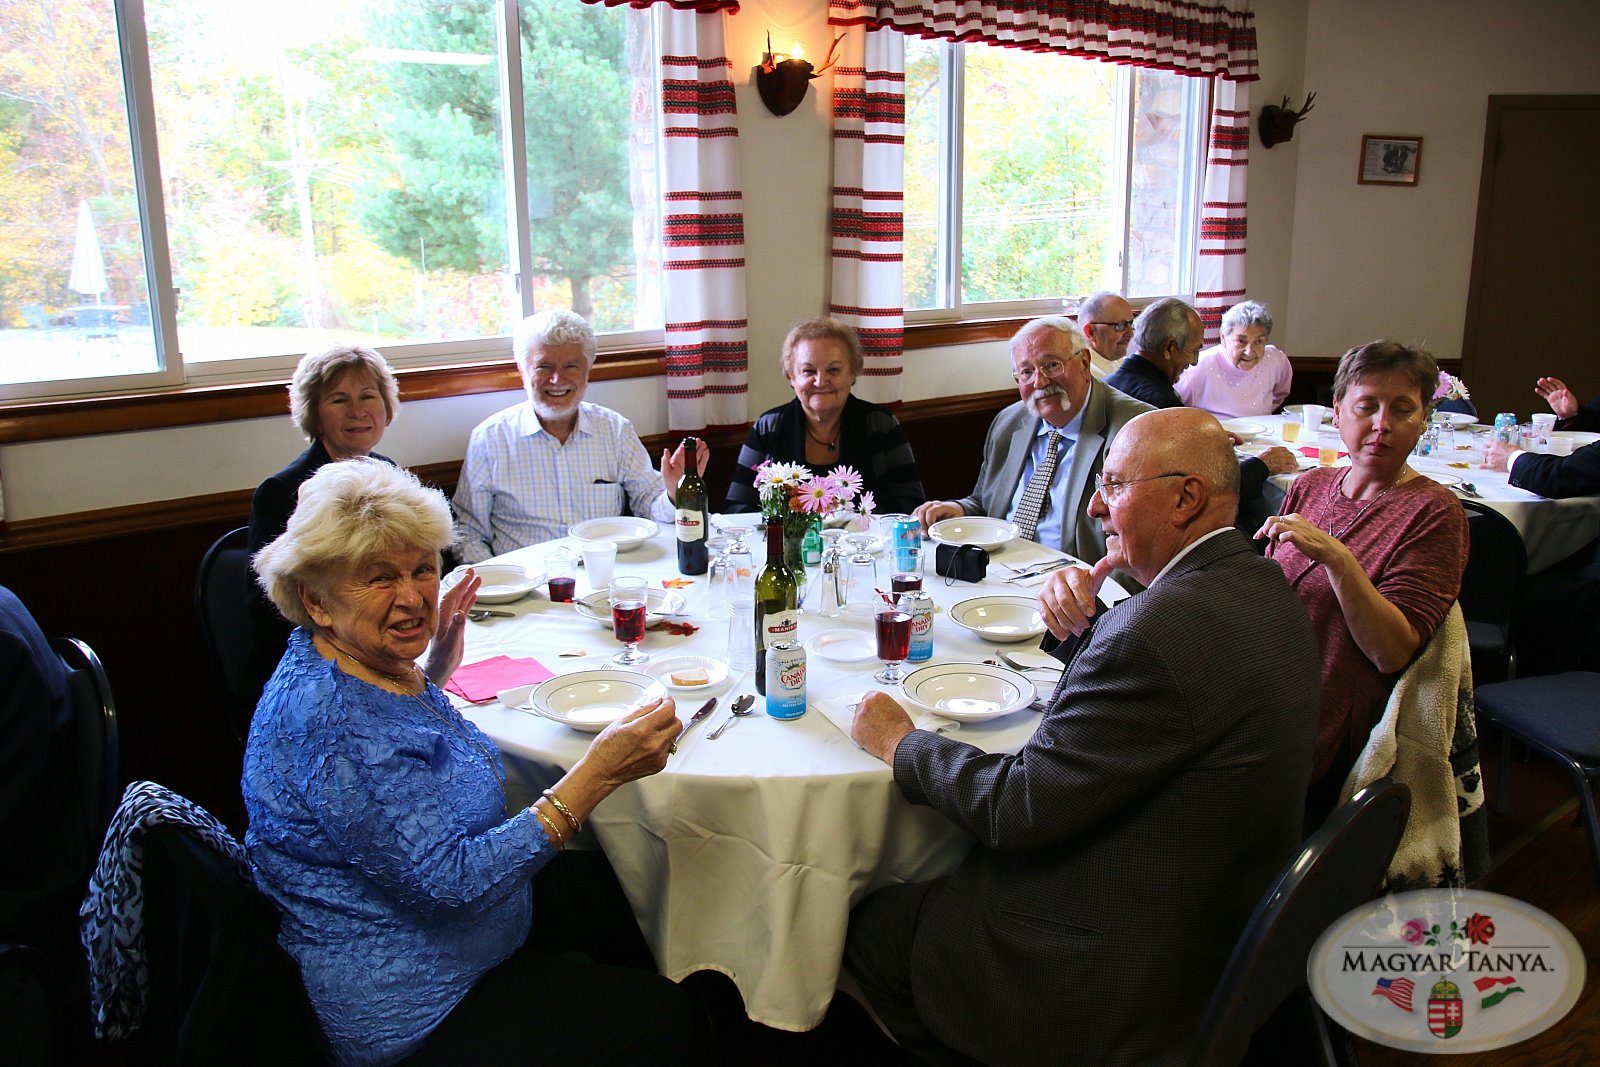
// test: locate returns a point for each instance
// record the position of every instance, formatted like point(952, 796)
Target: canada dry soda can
point(786, 680)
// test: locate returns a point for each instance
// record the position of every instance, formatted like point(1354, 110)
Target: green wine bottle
point(690, 500)
point(777, 595)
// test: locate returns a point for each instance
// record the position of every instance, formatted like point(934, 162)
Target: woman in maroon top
point(1375, 550)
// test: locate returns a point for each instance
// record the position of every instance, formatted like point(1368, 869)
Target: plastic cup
point(1544, 424)
point(1328, 445)
point(1311, 417)
point(599, 560)
point(1291, 430)
point(561, 570)
point(742, 634)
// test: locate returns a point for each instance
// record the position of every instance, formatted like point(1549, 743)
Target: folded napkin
point(841, 712)
point(477, 682)
point(1313, 452)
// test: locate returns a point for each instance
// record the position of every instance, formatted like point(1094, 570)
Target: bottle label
point(779, 626)
point(691, 525)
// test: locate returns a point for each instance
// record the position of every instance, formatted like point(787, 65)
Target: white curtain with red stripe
point(1219, 274)
point(867, 289)
point(702, 233)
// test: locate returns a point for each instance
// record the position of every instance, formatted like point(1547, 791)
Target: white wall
point(786, 176)
point(1376, 261)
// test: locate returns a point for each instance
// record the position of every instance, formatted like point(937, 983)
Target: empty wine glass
point(893, 629)
point(861, 585)
point(629, 605)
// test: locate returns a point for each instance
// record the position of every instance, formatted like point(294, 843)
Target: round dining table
point(1551, 529)
point(746, 854)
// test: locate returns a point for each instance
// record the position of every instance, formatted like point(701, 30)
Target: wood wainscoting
point(122, 579)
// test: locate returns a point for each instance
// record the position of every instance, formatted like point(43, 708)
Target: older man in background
point(1106, 319)
point(1122, 848)
point(1043, 452)
point(536, 468)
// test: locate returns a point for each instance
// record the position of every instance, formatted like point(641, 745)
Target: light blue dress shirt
point(1049, 529)
point(520, 486)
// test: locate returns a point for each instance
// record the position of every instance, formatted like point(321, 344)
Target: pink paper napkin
point(1312, 452)
point(477, 682)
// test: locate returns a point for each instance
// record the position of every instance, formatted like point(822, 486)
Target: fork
point(737, 710)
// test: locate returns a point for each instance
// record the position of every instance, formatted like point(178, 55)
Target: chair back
point(1338, 868)
point(94, 714)
point(1497, 563)
point(222, 593)
point(220, 986)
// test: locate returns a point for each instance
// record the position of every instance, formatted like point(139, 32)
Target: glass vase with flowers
point(803, 500)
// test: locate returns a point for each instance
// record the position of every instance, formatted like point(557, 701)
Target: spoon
point(738, 710)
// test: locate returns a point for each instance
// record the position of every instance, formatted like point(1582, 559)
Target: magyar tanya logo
point(1442, 970)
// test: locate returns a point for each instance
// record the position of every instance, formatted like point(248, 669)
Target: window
point(1035, 176)
point(329, 170)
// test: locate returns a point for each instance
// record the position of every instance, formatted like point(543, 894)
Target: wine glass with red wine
point(629, 604)
point(892, 625)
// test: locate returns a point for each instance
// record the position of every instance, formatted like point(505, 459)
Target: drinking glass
point(861, 585)
point(628, 609)
point(719, 578)
point(1328, 445)
point(892, 625)
point(742, 633)
point(905, 582)
point(1291, 429)
point(561, 574)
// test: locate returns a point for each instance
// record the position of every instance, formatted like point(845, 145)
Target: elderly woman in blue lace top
point(378, 821)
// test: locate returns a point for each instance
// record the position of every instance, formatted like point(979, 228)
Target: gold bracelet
point(549, 826)
point(566, 812)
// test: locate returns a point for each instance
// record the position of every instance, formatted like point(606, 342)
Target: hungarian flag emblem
point(1444, 1009)
point(1485, 984)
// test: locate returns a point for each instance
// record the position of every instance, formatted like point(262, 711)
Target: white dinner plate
point(597, 605)
point(1457, 419)
point(1298, 409)
point(1001, 619)
point(1244, 429)
point(1446, 480)
point(590, 701)
point(843, 646)
point(502, 582)
point(1579, 438)
point(626, 530)
point(663, 669)
point(968, 692)
point(988, 534)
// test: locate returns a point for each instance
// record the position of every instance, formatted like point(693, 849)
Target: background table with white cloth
point(746, 854)
point(1551, 529)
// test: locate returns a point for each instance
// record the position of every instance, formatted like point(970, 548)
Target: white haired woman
point(1243, 375)
point(378, 822)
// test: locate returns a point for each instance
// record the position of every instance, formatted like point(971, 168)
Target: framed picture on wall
point(1389, 160)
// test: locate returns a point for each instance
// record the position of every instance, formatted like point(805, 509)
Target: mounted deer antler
point(782, 82)
point(1276, 124)
point(828, 60)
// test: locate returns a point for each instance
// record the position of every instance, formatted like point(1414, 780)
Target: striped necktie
point(1036, 495)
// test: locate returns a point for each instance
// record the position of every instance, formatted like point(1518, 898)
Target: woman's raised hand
point(444, 656)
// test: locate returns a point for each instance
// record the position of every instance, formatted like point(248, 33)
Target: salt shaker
point(832, 582)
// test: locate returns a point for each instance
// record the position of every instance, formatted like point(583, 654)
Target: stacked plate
point(1001, 619)
point(988, 534)
point(589, 701)
point(502, 582)
point(968, 692)
point(626, 530)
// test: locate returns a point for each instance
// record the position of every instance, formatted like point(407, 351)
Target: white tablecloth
point(1551, 529)
point(746, 854)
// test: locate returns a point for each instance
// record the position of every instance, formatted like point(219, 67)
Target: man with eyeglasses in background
point(1042, 453)
point(1107, 321)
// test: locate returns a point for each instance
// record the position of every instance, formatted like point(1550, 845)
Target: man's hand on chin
point(879, 725)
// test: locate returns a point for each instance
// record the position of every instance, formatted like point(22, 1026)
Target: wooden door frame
point(1498, 105)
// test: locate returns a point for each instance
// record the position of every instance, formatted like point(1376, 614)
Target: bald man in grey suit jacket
point(1069, 400)
point(1121, 850)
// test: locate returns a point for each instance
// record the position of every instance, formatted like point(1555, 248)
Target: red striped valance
point(1199, 37)
point(704, 7)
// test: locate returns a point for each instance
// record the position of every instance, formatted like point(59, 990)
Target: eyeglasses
point(1047, 369)
point(1121, 327)
point(1110, 490)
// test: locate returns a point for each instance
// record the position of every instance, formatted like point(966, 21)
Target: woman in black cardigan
point(825, 426)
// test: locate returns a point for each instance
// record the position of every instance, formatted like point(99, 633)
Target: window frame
point(953, 310)
point(629, 352)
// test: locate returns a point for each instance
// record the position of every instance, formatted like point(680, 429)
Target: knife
point(705, 709)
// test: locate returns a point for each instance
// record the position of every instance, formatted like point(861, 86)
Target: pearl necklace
point(1333, 490)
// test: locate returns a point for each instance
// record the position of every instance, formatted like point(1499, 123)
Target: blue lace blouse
point(379, 830)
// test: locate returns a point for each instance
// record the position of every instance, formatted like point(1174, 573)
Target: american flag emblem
point(1398, 990)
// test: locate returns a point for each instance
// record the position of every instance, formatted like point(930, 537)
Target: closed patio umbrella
point(88, 264)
